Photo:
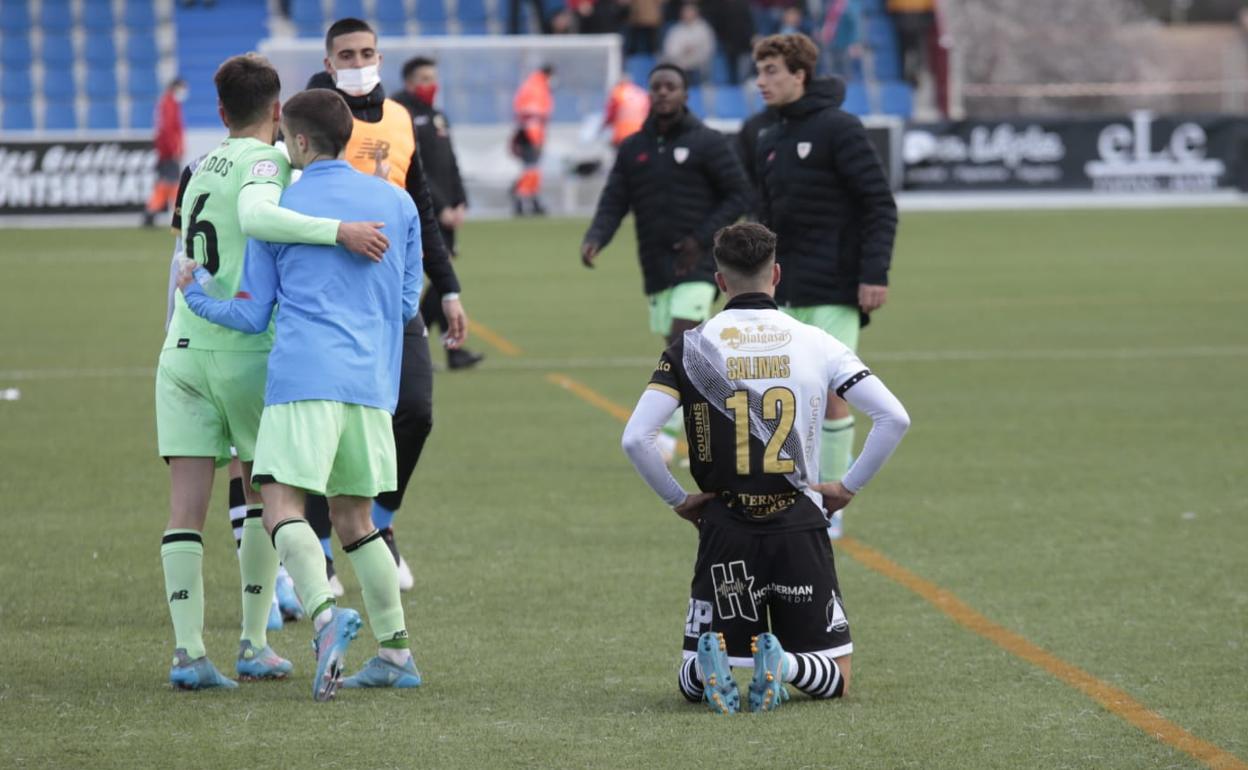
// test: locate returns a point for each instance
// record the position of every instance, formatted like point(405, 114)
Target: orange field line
point(493, 339)
point(1111, 698)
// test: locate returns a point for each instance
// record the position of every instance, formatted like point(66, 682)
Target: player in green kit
point(210, 380)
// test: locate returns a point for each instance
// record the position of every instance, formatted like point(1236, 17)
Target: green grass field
point(1075, 473)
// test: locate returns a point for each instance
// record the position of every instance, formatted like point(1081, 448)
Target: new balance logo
point(176, 595)
point(252, 589)
point(734, 591)
point(399, 635)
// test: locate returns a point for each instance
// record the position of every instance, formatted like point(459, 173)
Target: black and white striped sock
point(238, 510)
point(690, 683)
point(816, 675)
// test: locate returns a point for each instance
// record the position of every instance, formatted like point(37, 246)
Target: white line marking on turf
point(635, 362)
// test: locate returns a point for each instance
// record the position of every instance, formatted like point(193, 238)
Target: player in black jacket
point(683, 182)
point(824, 193)
point(446, 187)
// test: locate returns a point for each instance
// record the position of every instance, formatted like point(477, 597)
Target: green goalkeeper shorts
point(686, 301)
point(208, 401)
point(326, 447)
point(841, 321)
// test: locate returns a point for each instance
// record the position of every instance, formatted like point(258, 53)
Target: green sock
point(838, 444)
point(257, 566)
point(379, 579)
point(182, 554)
point(300, 550)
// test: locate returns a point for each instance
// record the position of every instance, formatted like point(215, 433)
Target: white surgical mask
point(357, 82)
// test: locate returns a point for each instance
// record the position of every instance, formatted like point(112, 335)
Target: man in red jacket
point(170, 140)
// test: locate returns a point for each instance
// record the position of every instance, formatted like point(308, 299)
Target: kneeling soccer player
point(753, 383)
point(332, 386)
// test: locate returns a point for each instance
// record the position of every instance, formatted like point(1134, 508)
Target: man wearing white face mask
point(383, 143)
point(169, 141)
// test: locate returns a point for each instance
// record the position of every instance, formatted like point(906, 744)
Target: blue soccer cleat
point(720, 688)
point(196, 674)
point(767, 690)
point(379, 672)
point(275, 617)
point(287, 600)
point(255, 664)
point(330, 648)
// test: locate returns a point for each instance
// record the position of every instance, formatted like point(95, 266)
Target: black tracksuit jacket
point(824, 193)
point(686, 181)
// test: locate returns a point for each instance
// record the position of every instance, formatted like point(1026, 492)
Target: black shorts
point(745, 583)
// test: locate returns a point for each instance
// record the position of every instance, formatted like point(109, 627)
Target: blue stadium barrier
point(352, 8)
point(141, 82)
point(306, 15)
point(98, 16)
point(896, 98)
point(472, 16)
point(59, 85)
point(101, 83)
point(140, 15)
point(697, 102)
point(888, 67)
point(58, 115)
point(880, 34)
point(15, 52)
point(99, 49)
point(433, 27)
point(102, 114)
point(55, 16)
point(142, 113)
point(141, 49)
point(638, 67)
point(431, 11)
point(730, 103)
point(15, 86)
point(14, 17)
point(721, 74)
point(18, 116)
point(391, 17)
point(58, 50)
point(856, 98)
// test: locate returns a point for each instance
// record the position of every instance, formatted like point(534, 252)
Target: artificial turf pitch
point(1075, 473)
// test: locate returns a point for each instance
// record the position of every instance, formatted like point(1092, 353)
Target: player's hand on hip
point(364, 238)
point(448, 218)
point(688, 254)
point(835, 495)
point(589, 252)
point(456, 323)
point(691, 509)
point(871, 296)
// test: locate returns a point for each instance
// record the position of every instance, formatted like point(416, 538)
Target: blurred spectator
point(644, 19)
point(690, 44)
point(535, 6)
point(563, 22)
point(533, 106)
point(170, 141)
point(839, 34)
point(792, 22)
point(914, 20)
point(627, 108)
point(767, 15)
point(600, 17)
point(734, 27)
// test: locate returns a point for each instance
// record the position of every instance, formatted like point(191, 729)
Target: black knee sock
point(690, 683)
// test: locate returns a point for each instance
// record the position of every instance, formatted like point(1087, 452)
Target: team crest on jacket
point(803, 149)
point(681, 154)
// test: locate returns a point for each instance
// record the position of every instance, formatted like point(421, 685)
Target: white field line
point(637, 362)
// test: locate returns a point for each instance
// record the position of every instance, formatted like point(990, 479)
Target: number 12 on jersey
point(778, 404)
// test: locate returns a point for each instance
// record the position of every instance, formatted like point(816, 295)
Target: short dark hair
point(346, 27)
point(322, 116)
point(247, 86)
point(798, 52)
point(745, 249)
point(415, 63)
point(667, 65)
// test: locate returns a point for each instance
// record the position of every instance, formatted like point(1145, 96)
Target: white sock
point(790, 667)
point(397, 657)
point(320, 620)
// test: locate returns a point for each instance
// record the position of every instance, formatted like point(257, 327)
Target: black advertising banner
point(75, 176)
point(1139, 153)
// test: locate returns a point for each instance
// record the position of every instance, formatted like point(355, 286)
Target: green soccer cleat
point(767, 690)
point(197, 674)
point(721, 689)
point(256, 664)
point(382, 673)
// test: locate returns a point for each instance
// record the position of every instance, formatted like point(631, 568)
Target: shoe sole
point(765, 686)
point(710, 646)
point(331, 677)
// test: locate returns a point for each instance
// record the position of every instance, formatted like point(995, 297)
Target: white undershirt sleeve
point(650, 415)
point(889, 422)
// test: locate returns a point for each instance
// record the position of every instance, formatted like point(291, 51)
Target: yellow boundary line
point(493, 339)
point(1111, 698)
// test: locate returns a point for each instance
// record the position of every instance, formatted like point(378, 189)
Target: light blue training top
point(340, 317)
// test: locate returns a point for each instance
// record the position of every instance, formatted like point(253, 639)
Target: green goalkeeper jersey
point(213, 236)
